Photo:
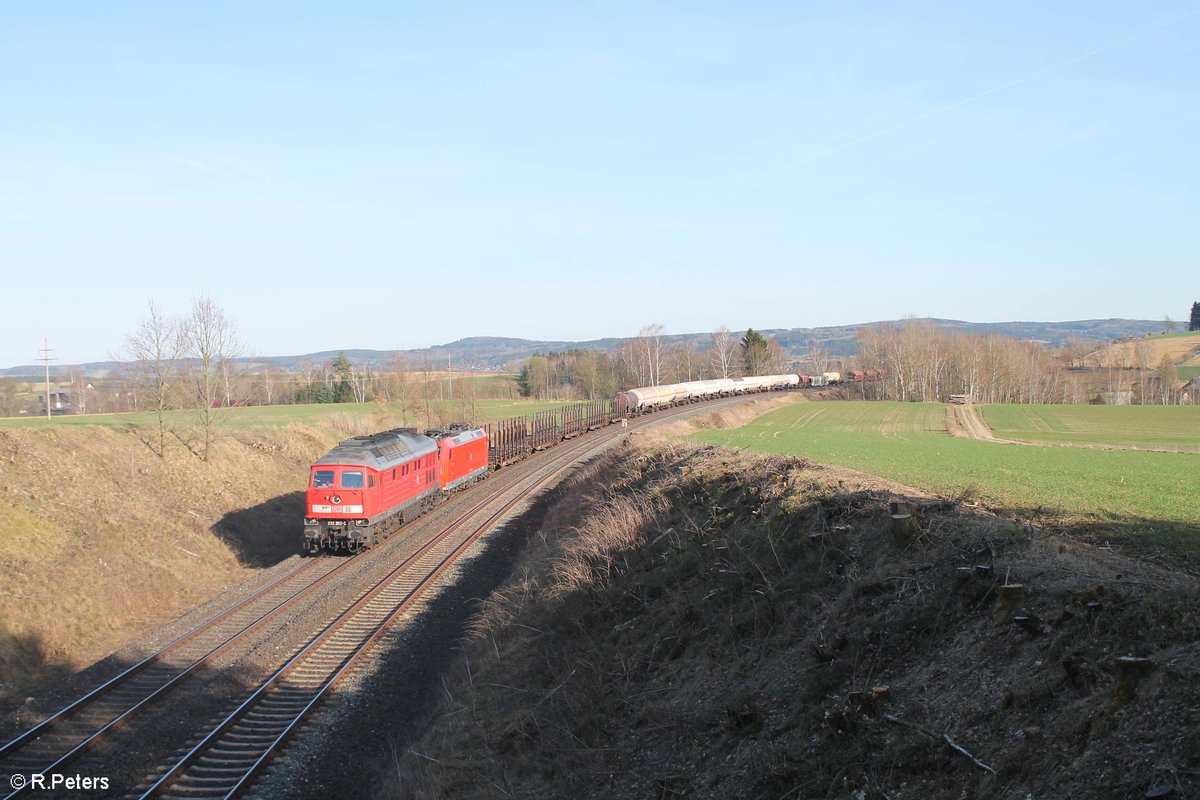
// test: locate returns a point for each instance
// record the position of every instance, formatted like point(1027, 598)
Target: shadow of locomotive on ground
point(26, 662)
point(265, 534)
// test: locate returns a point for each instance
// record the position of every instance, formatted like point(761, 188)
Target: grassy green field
point(1125, 491)
point(1142, 427)
point(312, 414)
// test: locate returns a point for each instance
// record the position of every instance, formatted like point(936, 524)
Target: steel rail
point(128, 672)
point(90, 740)
point(12, 748)
point(345, 662)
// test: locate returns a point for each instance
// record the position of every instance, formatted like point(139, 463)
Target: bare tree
point(466, 397)
point(404, 392)
point(921, 363)
point(267, 381)
point(80, 389)
point(150, 362)
point(650, 342)
point(1143, 352)
point(10, 396)
point(818, 356)
point(723, 352)
point(1076, 349)
point(777, 360)
point(426, 389)
point(361, 382)
point(212, 341)
point(687, 361)
point(1168, 377)
point(632, 367)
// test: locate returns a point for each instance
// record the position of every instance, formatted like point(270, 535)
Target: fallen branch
point(944, 737)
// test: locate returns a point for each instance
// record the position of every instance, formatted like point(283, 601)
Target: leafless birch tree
point(650, 342)
point(723, 352)
point(150, 362)
point(212, 342)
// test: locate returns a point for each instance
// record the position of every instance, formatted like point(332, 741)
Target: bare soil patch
point(966, 422)
point(694, 622)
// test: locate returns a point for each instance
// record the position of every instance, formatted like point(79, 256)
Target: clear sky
point(403, 174)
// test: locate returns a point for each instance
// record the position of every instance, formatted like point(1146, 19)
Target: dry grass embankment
point(734, 417)
point(1175, 348)
point(100, 539)
point(702, 623)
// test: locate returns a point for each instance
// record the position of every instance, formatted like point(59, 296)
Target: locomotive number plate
point(328, 509)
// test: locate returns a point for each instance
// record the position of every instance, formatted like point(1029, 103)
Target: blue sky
point(393, 174)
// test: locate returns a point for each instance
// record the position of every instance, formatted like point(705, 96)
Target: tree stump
point(904, 526)
point(1130, 672)
point(1010, 598)
point(1028, 623)
point(904, 529)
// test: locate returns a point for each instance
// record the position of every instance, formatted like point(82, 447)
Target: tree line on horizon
point(197, 362)
point(648, 360)
point(922, 363)
point(918, 361)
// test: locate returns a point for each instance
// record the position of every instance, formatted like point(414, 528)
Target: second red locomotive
point(368, 486)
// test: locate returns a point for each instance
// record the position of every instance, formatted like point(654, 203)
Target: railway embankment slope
point(693, 621)
point(100, 539)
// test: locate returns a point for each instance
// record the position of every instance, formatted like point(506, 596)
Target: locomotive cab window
point(322, 479)
point(352, 479)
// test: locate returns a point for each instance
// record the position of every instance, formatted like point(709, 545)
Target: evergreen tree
point(754, 352)
point(1194, 324)
point(343, 392)
point(525, 382)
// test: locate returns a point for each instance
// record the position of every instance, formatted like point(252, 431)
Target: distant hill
point(495, 353)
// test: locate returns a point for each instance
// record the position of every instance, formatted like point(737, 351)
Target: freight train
point(369, 486)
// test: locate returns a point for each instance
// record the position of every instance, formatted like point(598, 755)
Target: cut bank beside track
point(78, 728)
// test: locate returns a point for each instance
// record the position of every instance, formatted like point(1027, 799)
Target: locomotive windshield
point(323, 479)
point(352, 479)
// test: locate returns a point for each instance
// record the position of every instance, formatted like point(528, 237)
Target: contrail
point(1014, 82)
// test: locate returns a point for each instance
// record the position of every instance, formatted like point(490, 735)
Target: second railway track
point(229, 757)
point(224, 761)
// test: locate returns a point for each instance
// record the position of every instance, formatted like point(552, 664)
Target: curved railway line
point(228, 758)
point(224, 761)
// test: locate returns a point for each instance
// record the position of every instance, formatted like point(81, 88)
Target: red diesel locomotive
point(368, 486)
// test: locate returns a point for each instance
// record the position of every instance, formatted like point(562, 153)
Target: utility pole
point(450, 379)
point(46, 351)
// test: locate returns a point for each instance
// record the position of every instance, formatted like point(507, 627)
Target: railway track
point(227, 759)
point(57, 740)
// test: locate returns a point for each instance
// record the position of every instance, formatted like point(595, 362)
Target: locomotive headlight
point(362, 523)
point(308, 521)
